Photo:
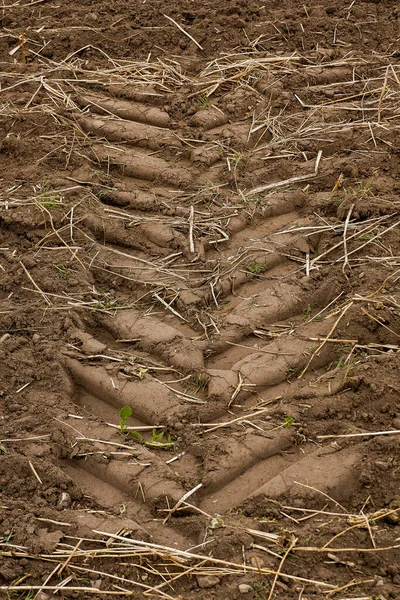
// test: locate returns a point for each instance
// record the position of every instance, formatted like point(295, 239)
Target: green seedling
point(307, 311)
point(61, 270)
point(6, 538)
point(260, 590)
point(124, 415)
point(289, 421)
point(252, 199)
point(256, 268)
point(363, 188)
point(239, 158)
point(199, 382)
point(136, 436)
point(365, 237)
point(203, 102)
point(340, 362)
point(158, 441)
point(337, 201)
point(48, 198)
point(105, 304)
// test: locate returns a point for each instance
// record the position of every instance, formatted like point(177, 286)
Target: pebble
point(245, 588)
point(65, 500)
point(97, 584)
point(383, 466)
point(42, 596)
point(396, 423)
point(207, 581)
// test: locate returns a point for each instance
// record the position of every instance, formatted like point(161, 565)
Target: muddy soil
point(199, 300)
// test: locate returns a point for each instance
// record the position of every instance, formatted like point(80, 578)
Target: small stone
point(35, 338)
point(42, 596)
point(245, 588)
point(383, 466)
point(97, 584)
point(207, 581)
point(396, 423)
point(65, 500)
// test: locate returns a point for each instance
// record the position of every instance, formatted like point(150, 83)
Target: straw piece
point(365, 433)
point(183, 31)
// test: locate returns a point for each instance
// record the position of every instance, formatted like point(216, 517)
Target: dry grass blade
point(35, 285)
point(181, 501)
point(284, 557)
point(181, 555)
point(184, 31)
point(346, 224)
point(363, 434)
point(322, 344)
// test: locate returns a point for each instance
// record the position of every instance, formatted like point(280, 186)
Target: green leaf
point(136, 435)
point(125, 413)
point(156, 436)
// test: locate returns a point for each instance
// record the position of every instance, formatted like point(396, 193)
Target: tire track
point(210, 272)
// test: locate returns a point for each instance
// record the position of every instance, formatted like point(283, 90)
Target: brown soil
point(206, 233)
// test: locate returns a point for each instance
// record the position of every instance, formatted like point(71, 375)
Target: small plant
point(137, 436)
point(337, 200)
point(48, 198)
point(365, 237)
point(260, 590)
point(289, 421)
point(199, 382)
point(106, 304)
point(158, 441)
point(239, 158)
point(307, 311)
point(252, 199)
point(124, 415)
point(203, 102)
point(363, 189)
point(340, 362)
point(6, 538)
point(61, 270)
point(256, 268)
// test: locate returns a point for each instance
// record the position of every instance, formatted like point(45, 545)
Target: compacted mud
point(199, 300)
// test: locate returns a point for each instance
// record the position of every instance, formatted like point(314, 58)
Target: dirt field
point(199, 219)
